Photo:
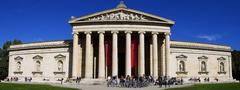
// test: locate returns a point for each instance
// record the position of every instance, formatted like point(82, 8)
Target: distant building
point(120, 42)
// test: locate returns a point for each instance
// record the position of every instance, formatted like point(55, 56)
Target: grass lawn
point(13, 86)
point(224, 86)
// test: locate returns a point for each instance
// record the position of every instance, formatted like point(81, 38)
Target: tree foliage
point(4, 57)
point(236, 64)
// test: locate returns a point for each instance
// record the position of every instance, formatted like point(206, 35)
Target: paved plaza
point(104, 87)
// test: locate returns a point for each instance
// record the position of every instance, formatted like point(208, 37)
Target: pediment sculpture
point(118, 16)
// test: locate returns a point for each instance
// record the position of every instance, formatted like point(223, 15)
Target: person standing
point(181, 81)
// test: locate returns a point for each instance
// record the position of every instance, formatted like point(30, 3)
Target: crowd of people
point(78, 79)
point(142, 81)
point(129, 81)
point(12, 79)
point(28, 79)
point(199, 79)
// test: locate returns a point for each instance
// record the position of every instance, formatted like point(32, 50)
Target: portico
point(134, 48)
point(133, 66)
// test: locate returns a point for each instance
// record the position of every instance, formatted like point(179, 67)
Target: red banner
point(108, 50)
point(134, 53)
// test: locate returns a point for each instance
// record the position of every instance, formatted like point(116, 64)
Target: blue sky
point(207, 21)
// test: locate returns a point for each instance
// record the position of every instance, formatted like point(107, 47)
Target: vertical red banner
point(108, 49)
point(134, 53)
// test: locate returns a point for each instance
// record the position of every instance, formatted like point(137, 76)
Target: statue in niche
point(181, 66)
point(203, 67)
point(221, 67)
point(60, 66)
point(38, 65)
point(18, 66)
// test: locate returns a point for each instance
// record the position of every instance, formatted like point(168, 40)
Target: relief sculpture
point(118, 16)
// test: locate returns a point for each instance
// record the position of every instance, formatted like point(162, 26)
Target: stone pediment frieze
point(121, 14)
point(114, 16)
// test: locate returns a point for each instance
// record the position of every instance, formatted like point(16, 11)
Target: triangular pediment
point(18, 58)
point(37, 57)
point(60, 56)
point(221, 58)
point(121, 14)
point(203, 57)
point(181, 56)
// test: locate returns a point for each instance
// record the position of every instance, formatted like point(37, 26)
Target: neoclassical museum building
point(119, 42)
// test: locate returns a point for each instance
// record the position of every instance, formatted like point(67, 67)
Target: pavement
point(104, 87)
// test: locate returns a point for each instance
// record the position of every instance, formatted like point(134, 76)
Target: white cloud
point(38, 39)
point(210, 37)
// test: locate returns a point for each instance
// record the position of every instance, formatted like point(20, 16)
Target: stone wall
point(193, 59)
point(49, 67)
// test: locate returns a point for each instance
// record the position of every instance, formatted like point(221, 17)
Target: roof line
point(44, 41)
point(201, 43)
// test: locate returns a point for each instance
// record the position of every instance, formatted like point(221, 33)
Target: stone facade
point(119, 42)
point(42, 64)
point(193, 58)
point(59, 50)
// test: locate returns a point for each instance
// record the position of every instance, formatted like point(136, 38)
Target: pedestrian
point(181, 81)
point(76, 80)
point(61, 80)
point(25, 79)
point(160, 81)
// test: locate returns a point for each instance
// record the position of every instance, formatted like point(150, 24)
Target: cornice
point(174, 44)
point(40, 45)
point(202, 46)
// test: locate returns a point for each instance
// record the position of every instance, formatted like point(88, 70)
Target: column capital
point(155, 32)
point(128, 32)
point(114, 31)
point(167, 33)
point(75, 33)
point(88, 32)
point(102, 32)
point(141, 32)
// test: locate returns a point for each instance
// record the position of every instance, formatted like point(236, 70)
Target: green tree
point(236, 64)
point(4, 57)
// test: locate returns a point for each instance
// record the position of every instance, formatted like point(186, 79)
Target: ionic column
point(141, 61)
point(128, 53)
point(163, 59)
point(114, 54)
point(151, 59)
point(101, 54)
point(75, 47)
point(167, 53)
point(155, 54)
point(88, 65)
